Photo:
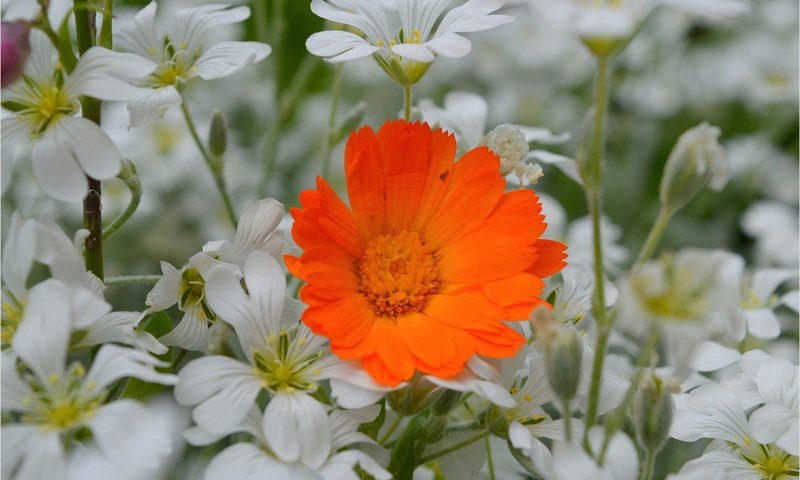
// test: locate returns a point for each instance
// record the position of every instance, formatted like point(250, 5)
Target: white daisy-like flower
point(257, 231)
point(43, 109)
point(405, 39)
point(751, 299)
point(53, 402)
point(606, 25)
point(243, 461)
point(712, 411)
point(284, 358)
point(184, 51)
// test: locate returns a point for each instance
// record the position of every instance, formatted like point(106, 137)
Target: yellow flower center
point(11, 317)
point(398, 273)
point(284, 366)
point(48, 104)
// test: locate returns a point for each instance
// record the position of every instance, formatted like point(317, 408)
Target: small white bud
point(696, 160)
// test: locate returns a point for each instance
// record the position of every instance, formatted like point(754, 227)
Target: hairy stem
point(407, 103)
point(654, 237)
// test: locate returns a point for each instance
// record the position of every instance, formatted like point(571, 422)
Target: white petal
point(711, 356)
point(543, 135)
point(792, 300)
point(166, 292)
point(567, 165)
point(122, 430)
point(227, 58)
point(191, 24)
point(341, 466)
point(771, 422)
point(245, 461)
point(114, 362)
point(218, 384)
point(18, 253)
point(296, 428)
point(191, 332)
point(42, 453)
point(767, 280)
point(42, 337)
point(266, 283)
point(57, 170)
point(473, 16)
point(335, 43)
point(255, 226)
point(714, 463)
point(152, 104)
point(751, 363)
point(450, 45)
point(570, 461)
point(91, 147)
point(719, 10)
point(556, 430)
point(541, 458)
point(141, 36)
point(104, 74)
point(413, 51)
point(15, 392)
point(762, 323)
point(777, 381)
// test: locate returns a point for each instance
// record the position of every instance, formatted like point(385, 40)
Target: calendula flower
point(183, 52)
point(405, 53)
point(419, 272)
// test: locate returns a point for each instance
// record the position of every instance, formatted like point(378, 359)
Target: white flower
point(44, 105)
point(285, 358)
point(408, 40)
point(776, 381)
point(183, 52)
point(56, 401)
point(621, 460)
point(187, 286)
point(751, 299)
point(243, 461)
point(712, 411)
point(604, 26)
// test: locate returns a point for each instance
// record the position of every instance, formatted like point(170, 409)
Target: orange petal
point(347, 322)
point(516, 295)
point(391, 350)
point(366, 182)
point(473, 192)
point(550, 258)
point(379, 372)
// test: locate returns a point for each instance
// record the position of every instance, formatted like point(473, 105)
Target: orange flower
point(431, 256)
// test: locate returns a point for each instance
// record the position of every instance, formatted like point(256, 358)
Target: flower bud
point(433, 430)
point(15, 51)
point(652, 411)
point(218, 134)
point(446, 402)
point(563, 353)
point(696, 160)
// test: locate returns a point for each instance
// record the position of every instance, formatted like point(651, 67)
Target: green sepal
point(372, 428)
point(404, 453)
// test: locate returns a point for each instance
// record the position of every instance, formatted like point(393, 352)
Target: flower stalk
point(215, 167)
point(593, 176)
point(407, 102)
point(129, 176)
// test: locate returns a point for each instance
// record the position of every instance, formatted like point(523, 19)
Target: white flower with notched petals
point(43, 109)
point(257, 231)
point(405, 39)
point(55, 402)
point(183, 52)
point(243, 461)
point(736, 452)
point(606, 25)
point(285, 358)
point(751, 299)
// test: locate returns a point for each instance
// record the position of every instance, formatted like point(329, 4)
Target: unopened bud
point(563, 352)
point(433, 430)
point(446, 402)
point(218, 134)
point(696, 160)
point(652, 411)
point(15, 50)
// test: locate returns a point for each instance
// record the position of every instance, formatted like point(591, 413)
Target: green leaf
point(404, 454)
point(106, 37)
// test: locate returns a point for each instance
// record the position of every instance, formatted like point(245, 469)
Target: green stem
point(336, 91)
point(649, 461)
point(133, 279)
point(136, 197)
point(392, 428)
point(654, 237)
point(260, 20)
point(567, 421)
point(91, 108)
point(407, 103)
point(594, 190)
point(214, 167)
point(453, 448)
point(489, 460)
